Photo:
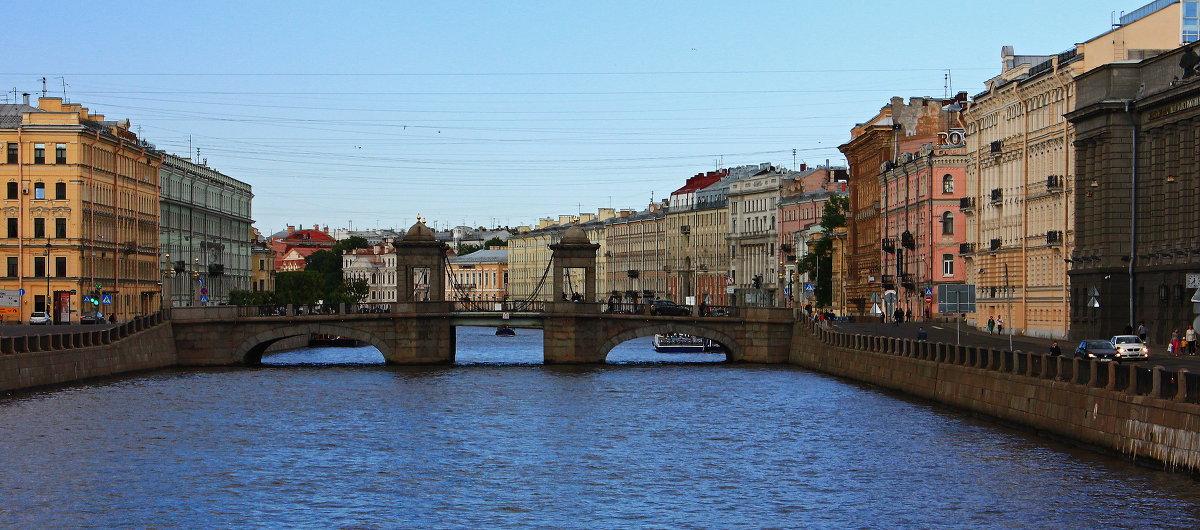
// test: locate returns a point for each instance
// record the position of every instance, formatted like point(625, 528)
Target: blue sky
point(367, 114)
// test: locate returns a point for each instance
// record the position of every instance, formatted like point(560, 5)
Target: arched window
point(948, 224)
point(947, 184)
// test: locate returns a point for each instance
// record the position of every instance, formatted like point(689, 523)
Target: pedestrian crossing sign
point(106, 299)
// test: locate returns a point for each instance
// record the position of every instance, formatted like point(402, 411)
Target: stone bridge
point(424, 332)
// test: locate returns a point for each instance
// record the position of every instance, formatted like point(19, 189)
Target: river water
point(649, 440)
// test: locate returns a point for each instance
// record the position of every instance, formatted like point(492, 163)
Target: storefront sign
point(952, 138)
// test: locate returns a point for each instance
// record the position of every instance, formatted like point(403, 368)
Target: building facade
point(754, 236)
point(636, 254)
point(695, 233)
point(1137, 129)
point(205, 233)
point(1021, 171)
point(481, 276)
point(82, 213)
point(262, 264)
point(375, 265)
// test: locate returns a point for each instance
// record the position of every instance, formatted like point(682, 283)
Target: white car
point(1130, 347)
point(39, 317)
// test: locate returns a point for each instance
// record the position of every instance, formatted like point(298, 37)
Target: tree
point(299, 287)
point(240, 297)
point(463, 250)
point(350, 243)
point(495, 242)
point(833, 217)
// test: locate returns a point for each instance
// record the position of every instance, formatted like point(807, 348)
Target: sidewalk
point(945, 332)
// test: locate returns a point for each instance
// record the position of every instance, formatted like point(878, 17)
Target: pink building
point(922, 227)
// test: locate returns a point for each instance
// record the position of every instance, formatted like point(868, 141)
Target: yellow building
point(636, 254)
point(1021, 171)
point(529, 257)
point(82, 212)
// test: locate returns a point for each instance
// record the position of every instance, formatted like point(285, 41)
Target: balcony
point(997, 147)
point(995, 244)
point(966, 203)
point(685, 230)
point(1054, 183)
point(889, 245)
point(997, 195)
point(966, 248)
point(889, 281)
point(908, 241)
point(906, 280)
point(1054, 236)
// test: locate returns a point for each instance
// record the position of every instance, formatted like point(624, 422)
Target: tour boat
point(505, 331)
point(679, 343)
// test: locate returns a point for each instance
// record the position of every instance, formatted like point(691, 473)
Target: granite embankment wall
point(37, 360)
point(1138, 410)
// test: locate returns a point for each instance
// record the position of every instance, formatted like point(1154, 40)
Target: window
point(60, 190)
point(60, 153)
point(947, 264)
point(39, 153)
point(60, 227)
point(12, 190)
point(948, 224)
point(262, 264)
point(39, 227)
point(60, 267)
point(39, 267)
point(947, 184)
point(12, 227)
point(39, 190)
point(12, 267)
point(12, 153)
point(1191, 21)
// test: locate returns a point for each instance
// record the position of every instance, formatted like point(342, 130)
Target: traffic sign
point(928, 299)
point(204, 291)
point(22, 292)
point(928, 292)
point(1193, 280)
point(201, 280)
point(809, 287)
point(204, 299)
point(106, 299)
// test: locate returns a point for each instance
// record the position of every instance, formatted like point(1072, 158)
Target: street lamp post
point(47, 271)
point(1008, 294)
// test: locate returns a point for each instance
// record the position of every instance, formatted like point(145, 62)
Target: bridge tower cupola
point(420, 266)
point(575, 251)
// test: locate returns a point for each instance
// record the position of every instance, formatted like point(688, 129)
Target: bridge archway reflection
point(618, 344)
point(251, 350)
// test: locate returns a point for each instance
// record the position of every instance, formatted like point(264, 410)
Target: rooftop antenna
point(43, 87)
point(190, 147)
point(64, 85)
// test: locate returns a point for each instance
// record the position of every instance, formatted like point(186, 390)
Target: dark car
point(669, 308)
point(91, 317)
point(1101, 350)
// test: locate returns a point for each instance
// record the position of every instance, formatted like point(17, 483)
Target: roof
point(11, 114)
point(701, 181)
point(482, 256)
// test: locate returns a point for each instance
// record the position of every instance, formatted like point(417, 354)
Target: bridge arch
point(733, 349)
point(250, 351)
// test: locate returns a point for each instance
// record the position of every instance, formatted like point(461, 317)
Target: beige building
point(636, 254)
point(529, 256)
point(480, 276)
point(375, 265)
point(697, 253)
point(754, 236)
point(82, 211)
point(262, 264)
point(1020, 171)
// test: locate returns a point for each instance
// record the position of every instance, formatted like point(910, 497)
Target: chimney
point(291, 230)
point(803, 167)
point(25, 98)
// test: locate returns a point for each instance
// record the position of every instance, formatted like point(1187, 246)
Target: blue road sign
point(809, 287)
point(22, 292)
point(106, 299)
point(204, 299)
point(201, 280)
point(929, 291)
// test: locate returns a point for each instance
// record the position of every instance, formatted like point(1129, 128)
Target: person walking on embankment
point(1189, 337)
point(1174, 347)
point(991, 325)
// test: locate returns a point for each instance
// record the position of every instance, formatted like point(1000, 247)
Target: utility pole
point(1008, 293)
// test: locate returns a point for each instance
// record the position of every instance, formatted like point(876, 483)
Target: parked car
point(91, 317)
point(1130, 347)
point(40, 318)
point(1101, 350)
point(669, 308)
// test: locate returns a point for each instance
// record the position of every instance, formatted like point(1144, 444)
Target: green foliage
point(467, 249)
point(299, 287)
point(240, 297)
point(834, 215)
point(356, 289)
point(495, 242)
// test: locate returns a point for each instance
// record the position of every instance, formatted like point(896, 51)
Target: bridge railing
point(262, 310)
point(370, 308)
point(475, 306)
point(730, 311)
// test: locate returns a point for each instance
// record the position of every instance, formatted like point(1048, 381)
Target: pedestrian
point(1174, 347)
point(921, 335)
point(1141, 331)
point(1054, 349)
point(1189, 336)
point(897, 316)
point(703, 307)
point(1000, 325)
point(908, 315)
point(991, 325)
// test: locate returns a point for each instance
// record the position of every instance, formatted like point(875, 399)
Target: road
point(945, 332)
